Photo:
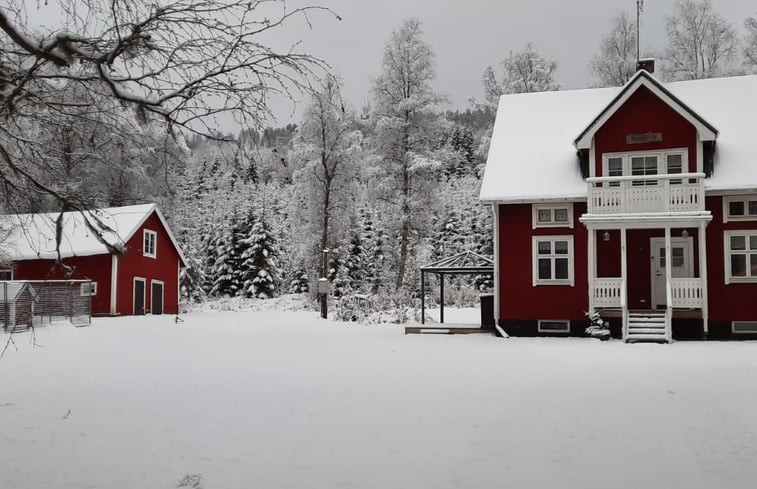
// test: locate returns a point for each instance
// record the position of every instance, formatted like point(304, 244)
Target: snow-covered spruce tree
point(260, 258)
point(404, 114)
point(300, 282)
point(615, 63)
point(228, 265)
point(525, 71)
point(354, 262)
point(192, 277)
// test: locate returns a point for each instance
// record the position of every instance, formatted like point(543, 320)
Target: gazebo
point(466, 263)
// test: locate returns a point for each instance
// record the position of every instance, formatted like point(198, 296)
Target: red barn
point(141, 276)
point(638, 202)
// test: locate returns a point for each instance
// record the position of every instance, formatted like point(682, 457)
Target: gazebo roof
point(466, 262)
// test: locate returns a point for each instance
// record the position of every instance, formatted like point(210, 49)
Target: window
point(6, 274)
point(151, 238)
point(550, 326)
point(645, 163)
point(553, 260)
point(553, 216)
point(744, 327)
point(740, 256)
point(740, 208)
point(88, 289)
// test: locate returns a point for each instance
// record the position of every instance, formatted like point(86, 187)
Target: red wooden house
point(638, 202)
point(142, 276)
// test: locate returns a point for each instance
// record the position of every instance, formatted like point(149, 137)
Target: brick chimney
point(646, 64)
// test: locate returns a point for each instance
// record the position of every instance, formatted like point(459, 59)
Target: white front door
point(681, 250)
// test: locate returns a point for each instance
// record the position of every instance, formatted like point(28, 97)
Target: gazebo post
point(423, 297)
point(441, 298)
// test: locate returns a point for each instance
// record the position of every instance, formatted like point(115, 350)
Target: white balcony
point(682, 192)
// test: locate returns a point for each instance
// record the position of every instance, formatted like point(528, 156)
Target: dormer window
point(645, 164)
point(150, 244)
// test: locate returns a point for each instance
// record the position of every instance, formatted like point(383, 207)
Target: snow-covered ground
point(266, 399)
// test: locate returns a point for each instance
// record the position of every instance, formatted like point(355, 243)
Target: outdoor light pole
point(324, 293)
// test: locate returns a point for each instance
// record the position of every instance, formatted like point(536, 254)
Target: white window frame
point(566, 330)
point(729, 279)
point(535, 208)
point(662, 159)
point(88, 289)
point(535, 260)
point(145, 243)
point(738, 198)
point(734, 323)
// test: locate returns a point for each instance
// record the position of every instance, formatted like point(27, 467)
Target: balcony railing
point(686, 292)
point(681, 192)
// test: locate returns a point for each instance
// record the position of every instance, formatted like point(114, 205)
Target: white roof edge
point(705, 134)
point(536, 200)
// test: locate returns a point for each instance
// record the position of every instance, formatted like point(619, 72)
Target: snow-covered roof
point(11, 290)
point(32, 236)
point(532, 156)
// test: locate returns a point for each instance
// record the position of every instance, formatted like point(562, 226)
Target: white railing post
point(703, 275)
point(623, 278)
point(591, 260)
point(668, 286)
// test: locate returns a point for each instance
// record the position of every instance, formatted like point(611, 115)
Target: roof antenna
point(639, 10)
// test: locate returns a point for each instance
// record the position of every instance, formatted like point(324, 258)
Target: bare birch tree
point(181, 65)
point(701, 43)
point(524, 71)
point(750, 47)
point(404, 112)
point(327, 147)
point(616, 62)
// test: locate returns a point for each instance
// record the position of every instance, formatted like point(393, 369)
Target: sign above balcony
point(647, 137)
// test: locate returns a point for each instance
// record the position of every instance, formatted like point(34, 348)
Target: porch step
point(646, 326)
point(647, 338)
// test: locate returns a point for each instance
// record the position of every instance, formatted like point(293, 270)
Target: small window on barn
point(744, 327)
point(552, 216)
point(551, 326)
point(88, 289)
point(151, 243)
point(740, 208)
point(6, 274)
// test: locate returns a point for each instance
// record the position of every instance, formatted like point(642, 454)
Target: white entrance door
point(681, 250)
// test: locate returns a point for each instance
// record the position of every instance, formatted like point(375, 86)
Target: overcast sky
point(468, 35)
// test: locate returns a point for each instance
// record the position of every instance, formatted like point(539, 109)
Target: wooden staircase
point(647, 326)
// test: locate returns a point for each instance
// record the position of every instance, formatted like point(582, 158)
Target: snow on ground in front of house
point(266, 399)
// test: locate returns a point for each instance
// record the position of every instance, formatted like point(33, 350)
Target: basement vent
point(549, 326)
point(744, 326)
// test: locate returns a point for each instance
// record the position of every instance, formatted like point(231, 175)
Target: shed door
point(157, 297)
point(139, 296)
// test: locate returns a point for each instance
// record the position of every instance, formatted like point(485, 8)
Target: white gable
point(532, 157)
point(32, 236)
